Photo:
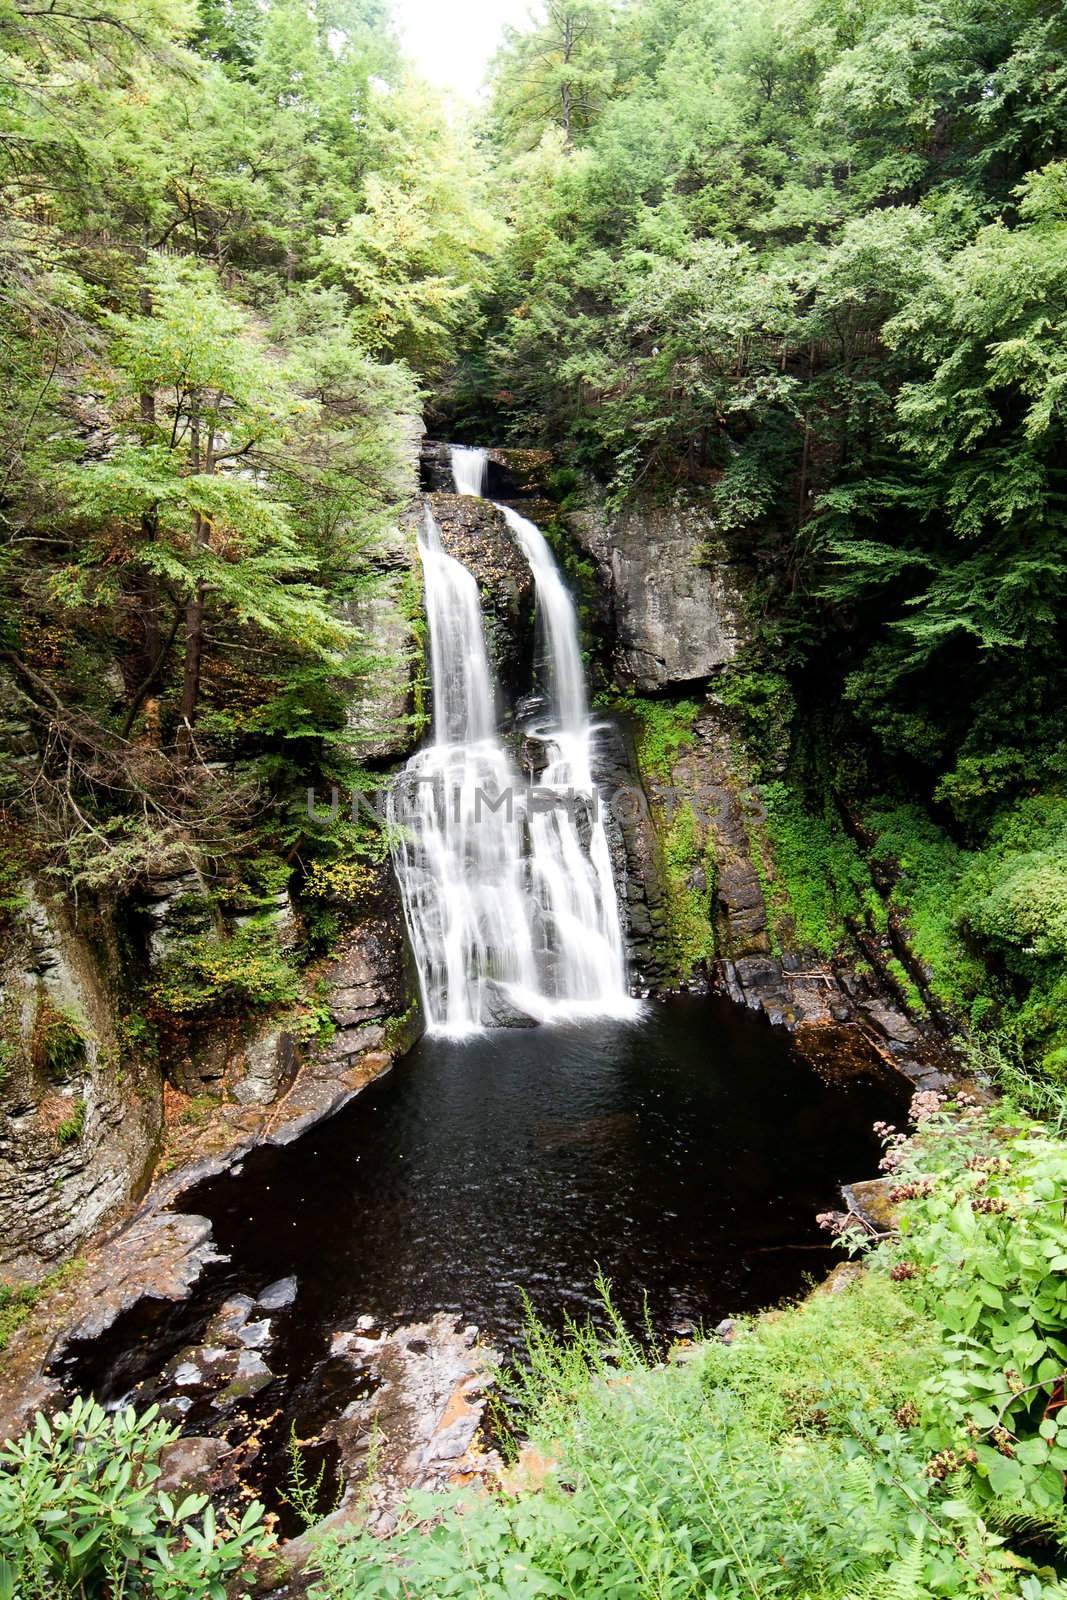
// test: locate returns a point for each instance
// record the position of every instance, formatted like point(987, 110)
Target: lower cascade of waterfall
point(507, 885)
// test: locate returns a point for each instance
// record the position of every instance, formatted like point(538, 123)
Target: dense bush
point(81, 1516)
point(206, 975)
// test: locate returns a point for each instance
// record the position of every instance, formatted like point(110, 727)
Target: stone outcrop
point(635, 856)
point(841, 1020)
point(79, 1118)
point(674, 590)
point(425, 1405)
point(371, 983)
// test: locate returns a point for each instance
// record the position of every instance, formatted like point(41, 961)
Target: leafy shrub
point(763, 707)
point(205, 975)
point(342, 882)
point(822, 881)
point(983, 1253)
point(71, 1128)
point(927, 867)
point(1027, 906)
point(59, 1042)
point(80, 1515)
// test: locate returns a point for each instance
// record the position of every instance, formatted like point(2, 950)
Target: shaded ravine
point(685, 1155)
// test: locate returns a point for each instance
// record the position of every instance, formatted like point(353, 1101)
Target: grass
point(18, 1301)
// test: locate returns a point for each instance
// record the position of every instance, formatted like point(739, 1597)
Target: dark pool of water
point(684, 1156)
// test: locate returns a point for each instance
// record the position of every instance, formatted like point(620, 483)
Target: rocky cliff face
point(80, 1110)
point(675, 592)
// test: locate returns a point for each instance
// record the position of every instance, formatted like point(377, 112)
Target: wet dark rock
point(278, 1295)
point(255, 1335)
point(435, 467)
point(196, 1465)
point(251, 1375)
point(635, 853)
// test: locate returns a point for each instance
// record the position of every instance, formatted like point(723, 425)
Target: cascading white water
point(510, 912)
point(572, 882)
point(469, 468)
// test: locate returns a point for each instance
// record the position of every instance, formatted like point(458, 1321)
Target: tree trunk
point(566, 88)
point(194, 611)
point(150, 587)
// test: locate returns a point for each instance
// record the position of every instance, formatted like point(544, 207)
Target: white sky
point(451, 41)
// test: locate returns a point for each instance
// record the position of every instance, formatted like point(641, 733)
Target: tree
point(556, 75)
point(192, 479)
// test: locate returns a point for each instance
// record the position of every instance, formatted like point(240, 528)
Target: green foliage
point(763, 707)
point(207, 976)
point(80, 1514)
point(206, 413)
point(664, 728)
point(59, 1042)
point(71, 1128)
point(983, 1245)
point(689, 871)
point(821, 883)
point(809, 262)
point(985, 924)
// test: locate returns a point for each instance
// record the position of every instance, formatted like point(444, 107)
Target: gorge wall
point(97, 1081)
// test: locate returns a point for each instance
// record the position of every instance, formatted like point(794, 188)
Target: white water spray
point(507, 888)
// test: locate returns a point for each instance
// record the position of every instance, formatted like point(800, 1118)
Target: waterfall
point(507, 886)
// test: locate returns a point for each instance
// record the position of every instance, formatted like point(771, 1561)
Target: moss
point(905, 986)
point(689, 870)
point(8, 1057)
point(822, 886)
point(199, 1109)
point(206, 976)
point(17, 1303)
point(927, 867)
point(664, 729)
point(71, 1128)
point(59, 1042)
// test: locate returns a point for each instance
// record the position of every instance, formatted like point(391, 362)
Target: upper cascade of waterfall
point(507, 887)
point(470, 467)
point(459, 665)
point(569, 709)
